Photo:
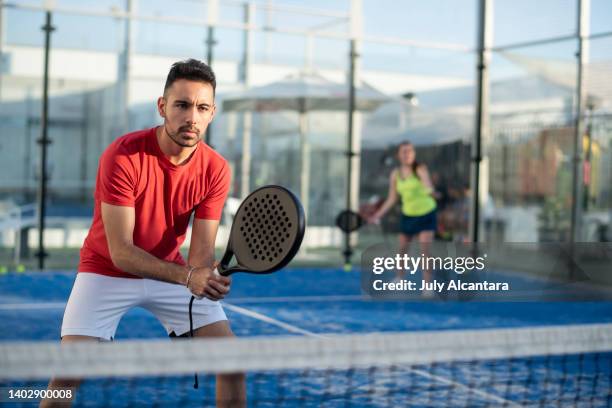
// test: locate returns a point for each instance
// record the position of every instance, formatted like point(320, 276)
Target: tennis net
point(537, 366)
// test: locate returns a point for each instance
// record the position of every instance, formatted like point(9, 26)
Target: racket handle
point(223, 272)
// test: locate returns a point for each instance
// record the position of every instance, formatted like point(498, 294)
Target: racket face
point(267, 230)
point(349, 221)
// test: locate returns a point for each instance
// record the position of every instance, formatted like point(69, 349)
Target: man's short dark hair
point(191, 70)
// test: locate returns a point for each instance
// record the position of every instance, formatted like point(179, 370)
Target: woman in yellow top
point(411, 182)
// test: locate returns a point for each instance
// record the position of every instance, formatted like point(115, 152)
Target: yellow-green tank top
point(416, 200)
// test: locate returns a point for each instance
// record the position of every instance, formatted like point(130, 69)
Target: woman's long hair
point(415, 163)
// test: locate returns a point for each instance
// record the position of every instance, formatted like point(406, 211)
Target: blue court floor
point(301, 302)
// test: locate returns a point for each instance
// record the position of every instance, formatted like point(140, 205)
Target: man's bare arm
point(202, 256)
point(202, 247)
point(119, 228)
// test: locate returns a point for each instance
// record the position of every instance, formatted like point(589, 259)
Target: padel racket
point(266, 233)
point(349, 221)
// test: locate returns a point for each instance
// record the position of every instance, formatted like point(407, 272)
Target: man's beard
point(179, 141)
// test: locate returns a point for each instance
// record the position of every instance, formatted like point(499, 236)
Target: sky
point(437, 21)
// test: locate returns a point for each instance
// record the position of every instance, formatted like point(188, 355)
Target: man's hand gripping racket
point(266, 233)
point(265, 236)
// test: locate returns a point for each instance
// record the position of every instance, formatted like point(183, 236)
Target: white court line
point(265, 299)
point(32, 306)
point(298, 299)
point(443, 380)
point(237, 309)
point(484, 394)
point(289, 327)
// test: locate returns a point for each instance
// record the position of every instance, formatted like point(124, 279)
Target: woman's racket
point(266, 233)
point(349, 221)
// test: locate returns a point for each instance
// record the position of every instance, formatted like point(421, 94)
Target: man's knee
point(216, 329)
point(62, 383)
point(71, 337)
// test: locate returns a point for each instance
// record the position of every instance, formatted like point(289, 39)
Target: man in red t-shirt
point(148, 185)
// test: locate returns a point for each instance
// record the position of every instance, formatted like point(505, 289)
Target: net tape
point(40, 360)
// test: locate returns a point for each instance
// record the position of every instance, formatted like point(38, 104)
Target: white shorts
point(97, 303)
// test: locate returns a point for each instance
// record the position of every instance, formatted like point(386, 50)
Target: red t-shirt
point(133, 172)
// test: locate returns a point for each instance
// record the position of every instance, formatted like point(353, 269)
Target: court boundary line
point(301, 299)
point(288, 327)
point(443, 380)
point(270, 320)
point(32, 305)
point(239, 300)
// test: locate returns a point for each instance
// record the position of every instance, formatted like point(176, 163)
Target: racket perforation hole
point(255, 256)
point(289, 225)
point(280, 250)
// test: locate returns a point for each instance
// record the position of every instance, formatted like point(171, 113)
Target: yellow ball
point(20, 268)
point(348, 267)
point(3, 270)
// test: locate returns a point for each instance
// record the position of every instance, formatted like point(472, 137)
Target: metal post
point(582, 57)
point(587, 178)
point(304, 160)
point(249, 17)
point(2, 27)
point(44, 142)
point(348, 250)
point(482, 104)
point(125, 65)
point(213, 17)
point(210, 44)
